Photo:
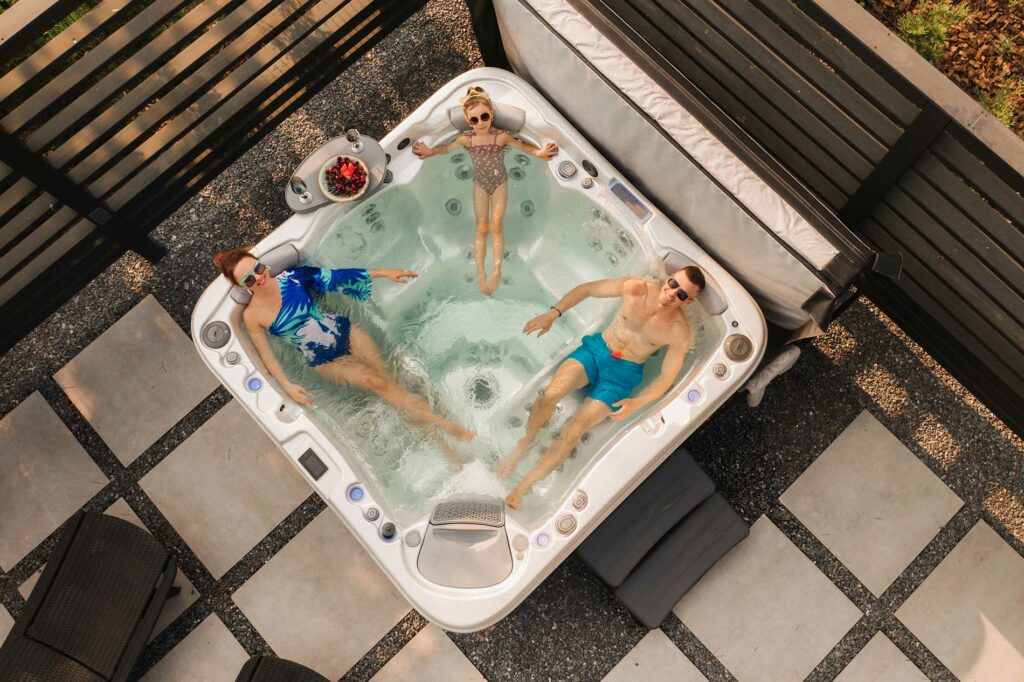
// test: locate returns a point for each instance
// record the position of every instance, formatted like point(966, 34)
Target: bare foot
point(510, 463)
point(495, 280)
point(514, 500)
point(481, 280)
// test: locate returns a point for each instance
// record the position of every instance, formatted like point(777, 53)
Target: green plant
point(925, 27)
point(1006, 44)
point(1004, 101)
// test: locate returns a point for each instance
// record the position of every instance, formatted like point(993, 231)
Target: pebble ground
point(571, 627)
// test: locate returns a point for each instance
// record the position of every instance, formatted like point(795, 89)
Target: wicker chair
point(273, 669)
point(94, 607)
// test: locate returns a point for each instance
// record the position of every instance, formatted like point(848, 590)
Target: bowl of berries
point(344, 178)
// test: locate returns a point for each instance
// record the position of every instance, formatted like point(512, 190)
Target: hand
point(397, 274)
point(542, 322)
point(299, 394)
point(421, 150)
point(626, 408)
point(547, 151)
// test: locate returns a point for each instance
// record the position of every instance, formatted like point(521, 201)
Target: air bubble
point(527, 208)
point(453, 206)
point(464, 172)
point(516, 173)
point(611, 258)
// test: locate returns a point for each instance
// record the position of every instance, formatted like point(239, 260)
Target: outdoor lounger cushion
point(272, 669)
point(628, 534)
point(680, 559)
point(94, 607)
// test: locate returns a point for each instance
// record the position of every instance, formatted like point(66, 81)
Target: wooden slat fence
point(840, 133)
point(108, 125)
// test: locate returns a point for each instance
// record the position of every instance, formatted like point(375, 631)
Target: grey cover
point(628, 534)
point(506, 117)
point(779, 281)
point(263, 668)
point(680, 560)
point(277, 259)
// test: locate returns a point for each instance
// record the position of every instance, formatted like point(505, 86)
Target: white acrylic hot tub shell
point(632, 455)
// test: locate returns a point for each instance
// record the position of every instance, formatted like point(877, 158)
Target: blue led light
point(693, 395)
point(355, 493)
point(254, 384)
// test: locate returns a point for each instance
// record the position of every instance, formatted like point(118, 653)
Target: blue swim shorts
point(611, 379)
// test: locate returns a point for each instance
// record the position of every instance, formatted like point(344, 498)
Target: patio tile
point(174, 606)
point(209, 653)
point(45, 476)
point(322, 601)
point(765, 610)
point(970, 611)
point(881, 660)
point(137, 379)
point(871, 502)
point(225, 488)
point(655, 659)
point(429, 656)
point(6, 623)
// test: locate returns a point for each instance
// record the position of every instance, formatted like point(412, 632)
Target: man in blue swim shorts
point(610, 364)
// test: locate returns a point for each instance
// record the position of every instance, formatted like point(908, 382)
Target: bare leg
point(498, 202)
point(365, 349)
point(591, 413)
point(570, 377)
point(481, 207)
point(352, 370)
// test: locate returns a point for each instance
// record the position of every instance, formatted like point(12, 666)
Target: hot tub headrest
point(506, 117)
point(277, 259)
point(711, 298)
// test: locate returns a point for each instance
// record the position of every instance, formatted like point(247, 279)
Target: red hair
point(226, 260)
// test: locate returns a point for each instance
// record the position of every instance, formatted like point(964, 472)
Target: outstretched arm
point(669, 371)
point(423, 151)
point(602, 288)
point(259, 339)
point(545, 152)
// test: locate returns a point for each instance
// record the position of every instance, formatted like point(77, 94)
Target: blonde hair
point(476, 95)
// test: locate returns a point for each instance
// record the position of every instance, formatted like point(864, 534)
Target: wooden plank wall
point(873, 151)
point(111, 123)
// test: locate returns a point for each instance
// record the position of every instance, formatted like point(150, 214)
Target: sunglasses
point(680, 294)
point(485, 117)
point(250, 279)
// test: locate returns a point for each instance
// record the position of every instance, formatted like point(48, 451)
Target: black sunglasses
point(250, 279)
point(485, 117)
point(680, 294)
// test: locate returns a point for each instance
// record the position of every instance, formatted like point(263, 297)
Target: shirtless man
point(611, 363)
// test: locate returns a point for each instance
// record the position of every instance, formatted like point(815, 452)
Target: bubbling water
point(464, 353)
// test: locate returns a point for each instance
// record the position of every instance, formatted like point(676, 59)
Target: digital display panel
point(631, 202)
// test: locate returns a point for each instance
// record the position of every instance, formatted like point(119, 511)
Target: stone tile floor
point(949, 607)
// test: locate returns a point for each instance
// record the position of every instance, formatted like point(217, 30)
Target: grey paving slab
point(173, 607)
point(970, 611)
point(45, 476)
point(655, 659)
point(225, 488)
point(881, 660)
point(428, 657)
point(322, 601)
point(872, 502)
point(6, 623)
point(209, 653)
point(766, 611)
point(137, 379)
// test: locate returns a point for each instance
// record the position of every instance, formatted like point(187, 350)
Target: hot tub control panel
point(313, 464)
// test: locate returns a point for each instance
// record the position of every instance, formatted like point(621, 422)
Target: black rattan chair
point(272, 669)
point(94, 607)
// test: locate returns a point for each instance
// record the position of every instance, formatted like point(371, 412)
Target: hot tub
point(443, 535)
